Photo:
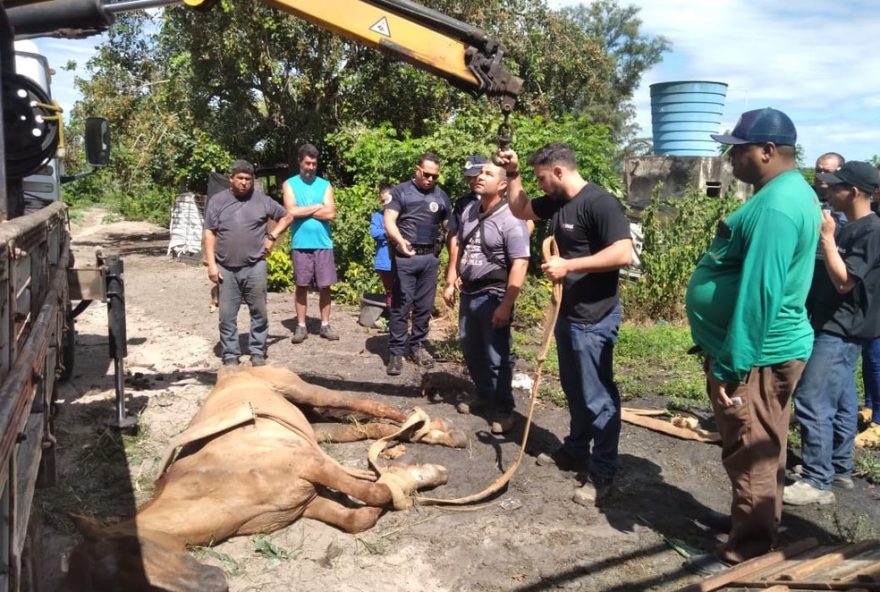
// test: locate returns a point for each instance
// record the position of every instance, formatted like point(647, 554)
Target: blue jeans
point(586, 372)
point(246, 284)
point(486, 349)
point(871, 376)
point(826, 407)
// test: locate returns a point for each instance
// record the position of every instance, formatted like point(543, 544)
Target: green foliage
point(676, 235)
point(280, 268)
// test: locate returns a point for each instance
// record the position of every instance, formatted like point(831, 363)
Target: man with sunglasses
point(746, 303)
point(413, 220)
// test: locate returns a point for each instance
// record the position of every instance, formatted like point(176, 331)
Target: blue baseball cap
point(473, 166)
point(759, 126)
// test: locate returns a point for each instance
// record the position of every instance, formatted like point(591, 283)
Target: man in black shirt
point(413, 220)
point(594, 242)
point(844, 309)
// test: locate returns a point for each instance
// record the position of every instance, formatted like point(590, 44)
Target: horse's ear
point(88, 527)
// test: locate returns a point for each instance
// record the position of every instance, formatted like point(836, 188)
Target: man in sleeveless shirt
point(309, 198)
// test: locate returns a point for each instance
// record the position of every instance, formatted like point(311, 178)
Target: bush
point(280, 268)
point(676, 234)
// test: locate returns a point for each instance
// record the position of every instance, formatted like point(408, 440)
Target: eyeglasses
point(428, 175)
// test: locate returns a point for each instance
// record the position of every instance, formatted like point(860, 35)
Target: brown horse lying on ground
point(250, 463)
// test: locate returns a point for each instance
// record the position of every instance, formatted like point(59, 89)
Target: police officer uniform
point(420, 215)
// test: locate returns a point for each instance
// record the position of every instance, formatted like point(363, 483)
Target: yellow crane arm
point(462, 54)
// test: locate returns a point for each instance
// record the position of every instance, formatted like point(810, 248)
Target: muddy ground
point(535, 538)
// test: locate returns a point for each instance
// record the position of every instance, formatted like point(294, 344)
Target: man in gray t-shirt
point(493, 255)
point(237, 242)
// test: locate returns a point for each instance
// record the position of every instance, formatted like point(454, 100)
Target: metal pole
point(118, 339)
point(126, 5)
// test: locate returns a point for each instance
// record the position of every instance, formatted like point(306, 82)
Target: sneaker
point(503, 423)
point(866, 416)
point(230, 361)
point(300, 334)
point(328, 333)
point(395, 365)
point(563, 460)
point(472, 405)
point(592, 492)
point(705, 564)
point(258, 360)
point(420, 357)
point(843, 482)
point(801, 493)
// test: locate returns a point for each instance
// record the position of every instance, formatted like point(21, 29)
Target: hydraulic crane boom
point(462, 54)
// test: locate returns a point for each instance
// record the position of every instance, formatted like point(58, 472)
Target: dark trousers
point(486, 349)
point(414, 289)
point(753, 447)
point(243, 284)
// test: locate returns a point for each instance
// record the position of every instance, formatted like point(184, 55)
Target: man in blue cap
point(746, 303)
point(845, 313)
point(473, 166)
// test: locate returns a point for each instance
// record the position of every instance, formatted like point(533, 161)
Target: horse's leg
point(298, 391)
point(324, 471)
point(353, 432)
point(350, 520)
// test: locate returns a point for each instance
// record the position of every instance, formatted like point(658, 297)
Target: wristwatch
point(513, 174)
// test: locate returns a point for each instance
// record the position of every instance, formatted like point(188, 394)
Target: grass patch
point(867, 465)
point(648, 360)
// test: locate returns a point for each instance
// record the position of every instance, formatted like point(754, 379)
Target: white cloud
point(811, 59)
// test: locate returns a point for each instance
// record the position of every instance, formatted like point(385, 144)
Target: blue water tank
point(683, 114)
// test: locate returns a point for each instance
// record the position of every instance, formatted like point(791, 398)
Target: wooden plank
point(826, 585)
point(747, 569)
point(802, 570)
point(777, 571)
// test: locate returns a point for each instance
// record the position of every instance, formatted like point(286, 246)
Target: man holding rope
point(593, 238)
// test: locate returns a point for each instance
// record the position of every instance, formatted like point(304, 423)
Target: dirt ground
point(533, 539)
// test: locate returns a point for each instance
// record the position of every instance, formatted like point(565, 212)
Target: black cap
point(241, 166)
point(862, 175)
point(759, 126)
point(473, 165)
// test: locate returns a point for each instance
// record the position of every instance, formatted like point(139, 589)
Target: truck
point(38, 281)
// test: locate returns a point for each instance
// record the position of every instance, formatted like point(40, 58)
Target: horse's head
point(122, 558)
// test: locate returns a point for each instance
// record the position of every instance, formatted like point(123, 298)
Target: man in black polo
point(413, 221)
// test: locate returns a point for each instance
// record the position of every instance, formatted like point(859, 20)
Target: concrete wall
point(711, 175)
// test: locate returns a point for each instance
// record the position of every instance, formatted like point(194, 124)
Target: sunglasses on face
point(428, 175)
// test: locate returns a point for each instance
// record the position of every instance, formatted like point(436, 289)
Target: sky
point(815, 60)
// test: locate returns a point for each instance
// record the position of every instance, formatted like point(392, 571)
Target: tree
point(617, 31)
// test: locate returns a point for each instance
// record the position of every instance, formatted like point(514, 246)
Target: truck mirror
point(97, 141)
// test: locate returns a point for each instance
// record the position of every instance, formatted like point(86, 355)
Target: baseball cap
point(473, 165)
point(759, 126)
point(862, 175)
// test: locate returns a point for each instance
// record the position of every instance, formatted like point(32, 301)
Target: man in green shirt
point(746, 307)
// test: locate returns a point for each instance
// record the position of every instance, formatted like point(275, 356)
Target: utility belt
point(496, 279)
point(425, 249)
